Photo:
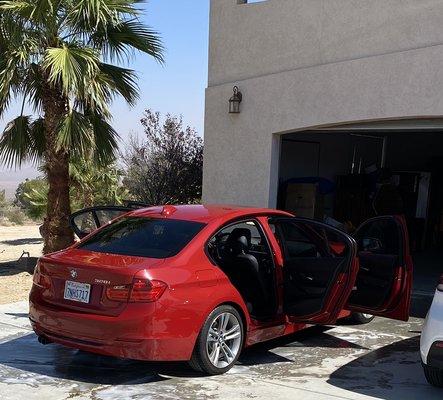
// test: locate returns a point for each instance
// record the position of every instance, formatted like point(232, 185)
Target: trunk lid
point(98, 270)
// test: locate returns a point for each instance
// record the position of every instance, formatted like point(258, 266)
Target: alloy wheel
point(224, 340)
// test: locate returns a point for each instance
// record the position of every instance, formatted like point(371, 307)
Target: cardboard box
point(303, 200)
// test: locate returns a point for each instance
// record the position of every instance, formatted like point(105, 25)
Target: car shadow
point(18, 315)
point(315, 336)
point(390, 373)
point(25, 353)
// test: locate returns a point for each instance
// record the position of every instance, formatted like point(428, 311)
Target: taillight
point(118, 293)
point(40, 280)
point(144, 290)
point(440, 284)
point(141, 291)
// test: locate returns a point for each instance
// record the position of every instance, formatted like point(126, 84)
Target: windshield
point(143, 237)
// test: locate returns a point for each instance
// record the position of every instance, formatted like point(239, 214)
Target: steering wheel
point(220, 245)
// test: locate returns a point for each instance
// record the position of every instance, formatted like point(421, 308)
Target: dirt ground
point(16, 273)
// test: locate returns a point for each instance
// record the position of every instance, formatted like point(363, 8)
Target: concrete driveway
point(379, 360)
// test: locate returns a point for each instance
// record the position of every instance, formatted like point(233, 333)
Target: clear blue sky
point(177, 87)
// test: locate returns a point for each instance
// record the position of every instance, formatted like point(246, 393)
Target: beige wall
point(305, 63)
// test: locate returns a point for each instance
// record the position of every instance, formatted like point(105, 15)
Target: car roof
point(205, 213)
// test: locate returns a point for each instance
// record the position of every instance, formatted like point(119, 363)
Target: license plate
point(76, 291)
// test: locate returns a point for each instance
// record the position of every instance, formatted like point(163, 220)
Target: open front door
point(319, 269)
point(85, 221)
point(384, 281)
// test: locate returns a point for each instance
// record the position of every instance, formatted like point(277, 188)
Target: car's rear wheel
point(433, 375)
point(220, 341)
point(361, 318)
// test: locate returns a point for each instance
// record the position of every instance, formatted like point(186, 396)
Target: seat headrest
point(239, 241)
point(238, 233)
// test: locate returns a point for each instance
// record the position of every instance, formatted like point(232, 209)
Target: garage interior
point(347, 174)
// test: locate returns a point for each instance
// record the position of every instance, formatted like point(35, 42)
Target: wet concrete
point(379, 360)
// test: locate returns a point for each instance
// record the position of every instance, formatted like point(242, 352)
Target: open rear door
point(384, 281)
point(318, 270)
point(85, 221)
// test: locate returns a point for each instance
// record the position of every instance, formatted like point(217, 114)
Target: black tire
point(433, 375)
point(200, 359)
point(360, 318)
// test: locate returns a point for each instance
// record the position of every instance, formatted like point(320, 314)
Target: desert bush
point(166, 167)
point(10, 214)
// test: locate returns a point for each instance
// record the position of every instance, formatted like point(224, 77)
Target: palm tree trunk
point(56, 229)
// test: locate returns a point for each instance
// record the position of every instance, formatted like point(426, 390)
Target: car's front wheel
point(433, 375)
point(220, 341)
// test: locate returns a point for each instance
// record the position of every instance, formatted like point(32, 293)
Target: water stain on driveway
point(379, 360)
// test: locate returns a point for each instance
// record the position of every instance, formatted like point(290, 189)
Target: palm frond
point(37, 140)
point(9, 82)
point(121, 80)
point(23, 140)
point(33, 86)
point(88, 15)
point(105, 139)
point(36, 11)
point(75, 134)
point(67, 65)
point(14, 148)
point(88, 134)
point(120, 40)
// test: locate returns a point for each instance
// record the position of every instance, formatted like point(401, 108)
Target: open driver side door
point(384, 281)
point(318, 271)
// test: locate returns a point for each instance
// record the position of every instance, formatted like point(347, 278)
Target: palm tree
point(59, 57)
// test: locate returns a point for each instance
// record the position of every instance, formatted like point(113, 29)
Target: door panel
point(307, 282)
point(384, 281)
point(319, 269)
point(85, 221)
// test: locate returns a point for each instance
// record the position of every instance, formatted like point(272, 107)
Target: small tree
point(166, 168)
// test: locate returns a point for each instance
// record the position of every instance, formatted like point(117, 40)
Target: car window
point(309, 240)
point(219, 245)
point(85, 222)
point(106, 215)
point(379, 236)
point(143, 237)
point(258, 242)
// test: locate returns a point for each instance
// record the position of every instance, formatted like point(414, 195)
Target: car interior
point(379, 251)
point(314, 255)
point(242, 252)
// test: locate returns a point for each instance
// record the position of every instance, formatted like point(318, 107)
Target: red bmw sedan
point(199, 283)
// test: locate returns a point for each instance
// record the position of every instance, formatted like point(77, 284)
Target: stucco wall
point(357, 68)
point(249, 40)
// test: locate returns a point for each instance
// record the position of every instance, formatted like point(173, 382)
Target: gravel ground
point(15, 277)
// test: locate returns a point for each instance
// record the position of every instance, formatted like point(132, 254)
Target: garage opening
point(346, 175)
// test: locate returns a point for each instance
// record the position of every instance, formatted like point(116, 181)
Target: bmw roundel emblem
point(73, 273)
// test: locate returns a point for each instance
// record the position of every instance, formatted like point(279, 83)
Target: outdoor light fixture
point(234, 101)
